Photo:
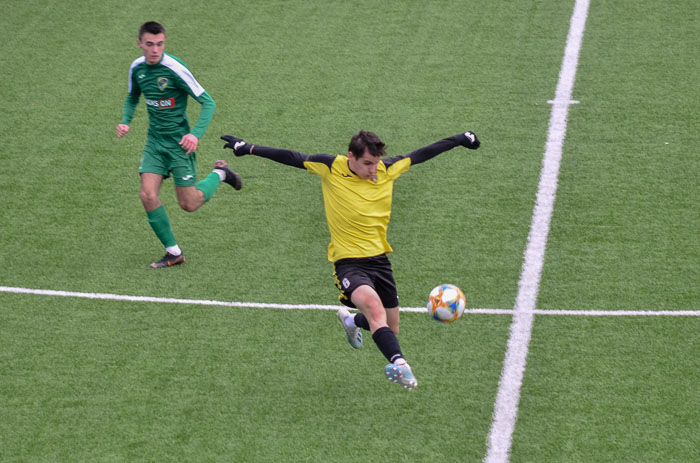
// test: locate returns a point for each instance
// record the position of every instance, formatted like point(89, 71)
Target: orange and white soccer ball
point(446, 303)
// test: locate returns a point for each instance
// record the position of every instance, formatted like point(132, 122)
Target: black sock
point(361, 321)
point(386, 341)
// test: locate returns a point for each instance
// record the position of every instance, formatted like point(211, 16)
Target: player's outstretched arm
point(466, 139)
point(288, 157)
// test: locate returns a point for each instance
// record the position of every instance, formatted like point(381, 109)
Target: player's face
point(152, 46)
point(364, 166)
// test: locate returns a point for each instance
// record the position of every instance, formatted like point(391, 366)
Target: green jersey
point(165, 87)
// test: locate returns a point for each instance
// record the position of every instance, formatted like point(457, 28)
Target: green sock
point(209, 185)
point(160, 223)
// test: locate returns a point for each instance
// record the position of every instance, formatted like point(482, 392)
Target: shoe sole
point(395, 375)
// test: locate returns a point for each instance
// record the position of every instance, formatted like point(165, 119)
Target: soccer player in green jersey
point(357, 191)
point(166, 83)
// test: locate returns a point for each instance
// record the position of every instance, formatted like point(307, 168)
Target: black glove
point(238, 146)
point(470, 141)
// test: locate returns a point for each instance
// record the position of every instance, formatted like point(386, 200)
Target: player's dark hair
point(366, 140)
point(151, 27)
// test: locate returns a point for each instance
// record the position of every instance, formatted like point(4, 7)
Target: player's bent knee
point(189, 206)
point(189, 198)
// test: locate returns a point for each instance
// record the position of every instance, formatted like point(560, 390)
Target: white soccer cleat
point(354, 335)
point(401, 374)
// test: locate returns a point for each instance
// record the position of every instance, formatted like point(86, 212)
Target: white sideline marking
point(505, 411)
point(164, 300)
point(261, 305)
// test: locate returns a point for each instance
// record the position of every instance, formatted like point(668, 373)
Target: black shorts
point(371, 271)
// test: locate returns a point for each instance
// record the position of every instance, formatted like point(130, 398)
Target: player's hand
point(122, 129)
point(470, 141)
point(189, 143)
point(238, 145)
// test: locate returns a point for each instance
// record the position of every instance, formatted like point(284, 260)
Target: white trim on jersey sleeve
point(135, 63)
point(183, 73)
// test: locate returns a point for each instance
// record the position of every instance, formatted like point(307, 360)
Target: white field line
point(262, 305)
point(505, 411)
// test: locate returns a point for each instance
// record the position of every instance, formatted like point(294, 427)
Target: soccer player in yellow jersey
point(357, 192)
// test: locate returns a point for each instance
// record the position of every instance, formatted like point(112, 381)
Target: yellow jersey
point(357, 210)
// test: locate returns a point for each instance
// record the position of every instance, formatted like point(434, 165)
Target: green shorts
point(163, 155)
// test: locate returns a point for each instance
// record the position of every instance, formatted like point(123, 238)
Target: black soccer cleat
point(169, 260)
point(232, 178)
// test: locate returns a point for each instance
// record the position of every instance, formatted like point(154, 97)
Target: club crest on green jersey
point(162, 83)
